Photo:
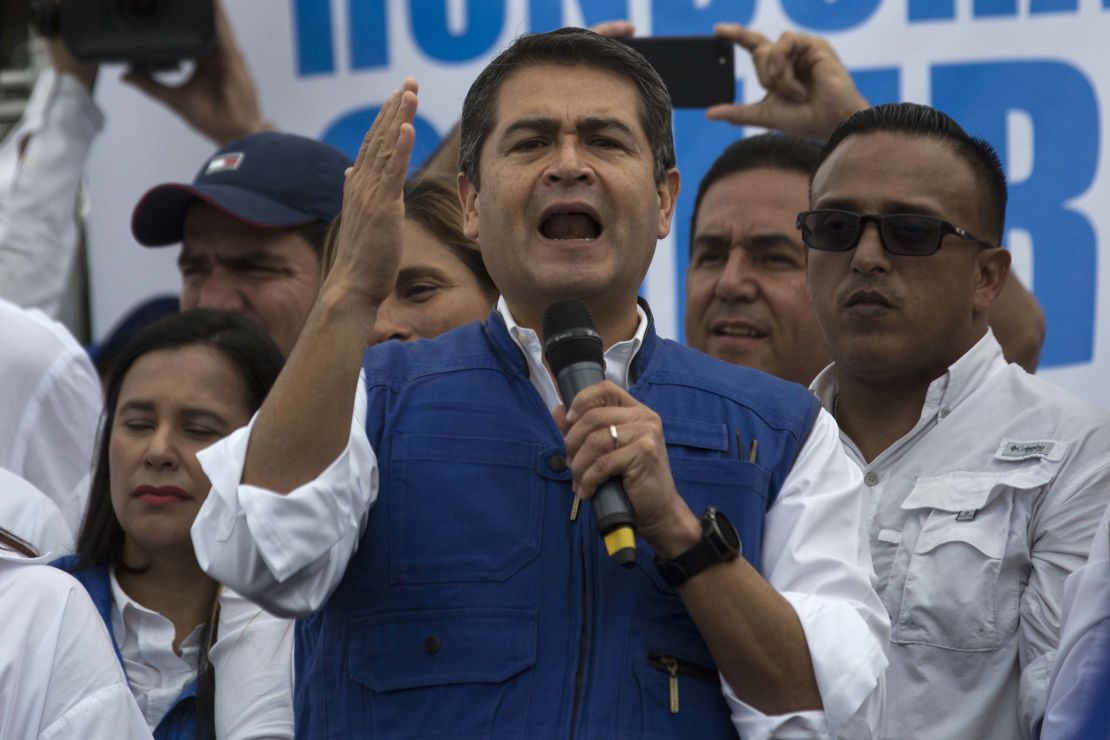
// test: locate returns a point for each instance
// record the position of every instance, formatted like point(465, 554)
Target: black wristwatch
point(719, 543)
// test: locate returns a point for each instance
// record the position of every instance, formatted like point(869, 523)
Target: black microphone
point(574, 352)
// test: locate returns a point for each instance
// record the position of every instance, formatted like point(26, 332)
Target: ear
point(992, 270)
point(668, 196)
point(468, 198)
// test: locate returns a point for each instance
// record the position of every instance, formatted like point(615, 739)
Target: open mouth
point(571, 225)
point(734, 329)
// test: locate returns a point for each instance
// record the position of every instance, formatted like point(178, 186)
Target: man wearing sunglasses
point(985, 482)
point(745, 285)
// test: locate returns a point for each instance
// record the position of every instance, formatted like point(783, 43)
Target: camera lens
point(140, 12)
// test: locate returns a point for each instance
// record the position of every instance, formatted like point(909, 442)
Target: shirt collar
point(945, 393)
point(618, 358)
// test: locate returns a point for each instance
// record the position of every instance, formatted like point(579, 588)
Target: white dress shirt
point(1081, 673)
point(41, 161)
point(289, 552)
point(59, 677)
point(252, 659)
point(26, 512)
point(977, 516)
point(50, 405)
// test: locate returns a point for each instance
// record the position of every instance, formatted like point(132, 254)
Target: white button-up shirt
point(976, 517)
point(26, 512)
point(41, 161)
point(252, 659)
point(59, 676)
point(50, 405)
point(289, 552)
point(1081, 674)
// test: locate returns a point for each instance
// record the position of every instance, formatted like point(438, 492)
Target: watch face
point(722, 532)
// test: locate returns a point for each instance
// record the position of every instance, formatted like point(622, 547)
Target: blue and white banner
point(1028, 75)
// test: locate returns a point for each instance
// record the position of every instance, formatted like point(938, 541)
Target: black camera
point(151, 33)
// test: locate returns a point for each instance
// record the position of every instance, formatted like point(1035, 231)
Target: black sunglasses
point(906, 234)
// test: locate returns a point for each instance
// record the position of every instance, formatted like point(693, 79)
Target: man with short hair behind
point(459, 589)
point(985, 482)
point(746, 299)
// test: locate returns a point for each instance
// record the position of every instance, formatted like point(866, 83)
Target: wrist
point(675, 533)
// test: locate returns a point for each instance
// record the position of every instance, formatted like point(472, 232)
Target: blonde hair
point(432, 203)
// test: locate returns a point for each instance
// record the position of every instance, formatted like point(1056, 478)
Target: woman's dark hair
point(257, 360)
point(9, 541)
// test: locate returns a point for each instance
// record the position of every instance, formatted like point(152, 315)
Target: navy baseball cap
point(271, 180)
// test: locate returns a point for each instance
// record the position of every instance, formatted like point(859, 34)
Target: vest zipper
point(578, 675)
point(673, 666)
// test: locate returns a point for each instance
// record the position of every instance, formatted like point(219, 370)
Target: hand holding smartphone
point(698, 70)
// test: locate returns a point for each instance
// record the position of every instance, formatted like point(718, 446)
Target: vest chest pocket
point(960, 590)
point(705, 476)
point(462, 509)
point(450, 673)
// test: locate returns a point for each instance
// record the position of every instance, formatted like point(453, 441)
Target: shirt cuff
point(291, 531)
point(848, 663)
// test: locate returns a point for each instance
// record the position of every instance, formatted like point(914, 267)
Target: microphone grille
point(569, 335)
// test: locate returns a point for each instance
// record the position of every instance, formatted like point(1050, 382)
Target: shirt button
point(432, 645)
point(556, 463)
point(871, 478)
point(944, 412)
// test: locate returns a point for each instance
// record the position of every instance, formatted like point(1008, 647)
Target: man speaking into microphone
point(443, 540)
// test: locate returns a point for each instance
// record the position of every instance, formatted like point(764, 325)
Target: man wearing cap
point(429, 515)
point(251, 226)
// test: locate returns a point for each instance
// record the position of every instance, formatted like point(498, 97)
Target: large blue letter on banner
point(484, 21)
point(830, 15)
point(1061, 102)
point(685, 18)
point(547, 15)
point(368, 34)
point(312, 30)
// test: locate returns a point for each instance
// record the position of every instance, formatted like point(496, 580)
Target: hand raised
point(219, 99)
point(809, 91)
point(368, 245)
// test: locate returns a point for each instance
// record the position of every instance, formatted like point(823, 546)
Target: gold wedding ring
point(613, 436)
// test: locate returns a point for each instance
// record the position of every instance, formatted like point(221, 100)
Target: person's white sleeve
point(88, 696)
point(41, 162)
point(1081, 672)
point(56, 436)
point(285, 552)
point(815, 553)
point(29, 514)
point(1061, 535)
point(254, 672)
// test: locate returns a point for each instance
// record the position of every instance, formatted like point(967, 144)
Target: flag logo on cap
point(224, 162)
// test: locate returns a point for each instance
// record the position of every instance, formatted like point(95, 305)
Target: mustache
point(865, 288)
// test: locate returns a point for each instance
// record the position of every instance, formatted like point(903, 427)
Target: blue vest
point(179, 723)
point(475, 608)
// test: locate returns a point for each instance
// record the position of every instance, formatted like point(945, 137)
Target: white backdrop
point(1029, 75)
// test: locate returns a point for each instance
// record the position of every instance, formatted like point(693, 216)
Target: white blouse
point(252, 659)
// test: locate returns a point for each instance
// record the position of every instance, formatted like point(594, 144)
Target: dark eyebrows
point(763, 242)
point(537, 125)
point(886, 207)
point(550, 126)
point(187, 414)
